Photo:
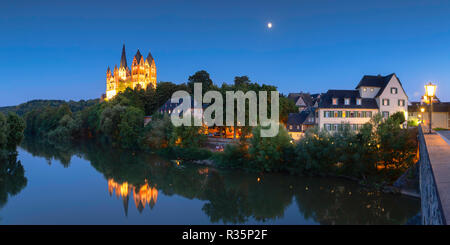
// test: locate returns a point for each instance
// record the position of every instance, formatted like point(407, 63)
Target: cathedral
point(142, 73)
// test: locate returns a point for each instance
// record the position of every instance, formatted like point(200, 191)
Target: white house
point(374, 94)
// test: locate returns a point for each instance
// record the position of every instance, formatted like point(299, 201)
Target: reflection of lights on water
point(142, 196)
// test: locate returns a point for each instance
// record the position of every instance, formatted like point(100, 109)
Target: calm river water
point(88, 184)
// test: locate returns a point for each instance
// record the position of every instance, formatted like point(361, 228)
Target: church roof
point(123, 59)
point(149, 58)
point(138, 56)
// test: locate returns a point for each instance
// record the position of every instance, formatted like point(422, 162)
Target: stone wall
point(432, 213)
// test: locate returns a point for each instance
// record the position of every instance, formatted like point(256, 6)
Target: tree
point(158, 132)
point(188, 136)
point(131, 126)
point(399, 117)
point(3, 131)
point(241, 81)
point(200, 77)
point(16, 127)
point(270, 153)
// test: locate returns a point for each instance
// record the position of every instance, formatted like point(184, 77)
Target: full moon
point(269, 25)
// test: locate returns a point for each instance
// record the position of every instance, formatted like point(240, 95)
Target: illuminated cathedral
point(142, 74)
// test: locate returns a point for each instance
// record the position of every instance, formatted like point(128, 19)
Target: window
point(335, 101)
point(371, 89)
point(386, 102)
point(290, 127)
point(394, 91)
point(385, 114)
point(298, 127)
point(347, 101)
point(365, 89)
point(358, 101)
point(401, 102)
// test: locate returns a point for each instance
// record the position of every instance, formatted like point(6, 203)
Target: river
point(90, 184)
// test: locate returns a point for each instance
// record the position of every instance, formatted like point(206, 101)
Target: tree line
point(119, 121)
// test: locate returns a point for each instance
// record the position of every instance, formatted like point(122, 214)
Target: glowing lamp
point(430, 90)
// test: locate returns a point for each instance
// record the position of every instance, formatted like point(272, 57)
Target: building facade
point(373, 94)
point(419, 112)
point(142, 74)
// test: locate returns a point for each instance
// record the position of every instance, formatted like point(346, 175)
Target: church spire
point(149, 58)
point(123, 60)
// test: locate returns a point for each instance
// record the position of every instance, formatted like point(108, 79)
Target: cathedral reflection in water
point(142, 196)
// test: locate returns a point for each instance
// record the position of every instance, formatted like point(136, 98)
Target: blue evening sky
point(61, 49)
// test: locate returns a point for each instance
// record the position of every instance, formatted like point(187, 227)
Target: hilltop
point(23, 108)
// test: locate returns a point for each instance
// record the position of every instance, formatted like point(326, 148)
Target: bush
point(187, 154)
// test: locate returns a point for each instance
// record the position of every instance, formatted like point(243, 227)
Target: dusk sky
point(61, 49)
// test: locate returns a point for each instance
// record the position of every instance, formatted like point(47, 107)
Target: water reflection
point(142, 196)
point(12, 178)
point(232, 197)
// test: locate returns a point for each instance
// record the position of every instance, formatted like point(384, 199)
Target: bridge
point(434, 151)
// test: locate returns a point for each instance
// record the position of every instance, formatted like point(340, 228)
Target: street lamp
point(430, 90)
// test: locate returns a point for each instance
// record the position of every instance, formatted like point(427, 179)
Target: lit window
point(365, 89)
point(335, 101)
point(358, 101)
point(371, 89)
point(394, 91)
point(347, 101)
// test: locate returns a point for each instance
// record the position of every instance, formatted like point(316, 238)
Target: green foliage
point(270, 154)
point(131, 127)
point(200, 77)
point(11, 132)
point(234, 156)
point(286, 106)
point(185, 153)
point(399, 117)
point(158, 132)
point(380, 151)
point(413, 122)
point(188, 136)
point(24, 108)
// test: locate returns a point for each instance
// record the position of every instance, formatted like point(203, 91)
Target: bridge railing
point(432, 212)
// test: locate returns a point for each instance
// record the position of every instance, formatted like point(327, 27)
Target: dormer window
point(371, 89)
point(365, 89)
point(394, 91)
point(335, 101)
point(358, 101)
point(347, 101)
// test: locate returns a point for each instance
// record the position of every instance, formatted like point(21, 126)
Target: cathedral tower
point(142, 74)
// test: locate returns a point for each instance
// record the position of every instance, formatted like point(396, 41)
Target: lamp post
point(430, 90)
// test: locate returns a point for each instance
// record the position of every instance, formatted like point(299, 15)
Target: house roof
point(378, 81)
point(296, 119)
point(170, 106)
point(375, 81)
point(305, 96)
point(326, 100)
